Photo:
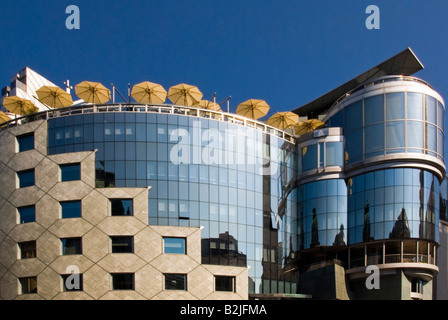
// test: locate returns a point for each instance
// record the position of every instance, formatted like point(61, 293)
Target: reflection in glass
point(401, 205)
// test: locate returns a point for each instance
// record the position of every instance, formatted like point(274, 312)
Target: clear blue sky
point(287, 52)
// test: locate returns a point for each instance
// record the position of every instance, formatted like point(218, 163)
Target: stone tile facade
point(148, 262)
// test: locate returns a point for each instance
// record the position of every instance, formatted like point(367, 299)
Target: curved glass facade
point(322, 214)
point(389, 123)
point(393, 204)
point(234, 181)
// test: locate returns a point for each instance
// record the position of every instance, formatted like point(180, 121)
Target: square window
point(27, 214)
point(174, 245)
point(28, 285)
point(70, 172)
point(225, 283)
point(176, 282)
point(122, 244)
point(72, 282)
point(121, 207)
point(122, 281)
point(26, 178)
point(26, 142)
point(70, 209)
point(27, 249)
point(71, 246)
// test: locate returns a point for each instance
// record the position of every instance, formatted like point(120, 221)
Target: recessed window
point(175, 281)
point(27, 249)
point(225, 283)
point(71, 246)
point(70, 172)
point(121, 207)
point(26, 178)
point(25, 142)
point(70, 209)
point(174, 245)
point(122, 244)
point(122, 281)
point(72, 282)
point(417, 286)
point(27, 214)
point(28, 285)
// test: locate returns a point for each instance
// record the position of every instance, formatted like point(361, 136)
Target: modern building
point(138, 201)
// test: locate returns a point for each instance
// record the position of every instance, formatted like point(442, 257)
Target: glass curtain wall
point(397, 203)
point(395, 122)
point(234, 181)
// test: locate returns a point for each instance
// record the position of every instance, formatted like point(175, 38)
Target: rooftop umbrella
point(205, 104)
point(4, 117)
point(54, 97)
point(19, 105)
point(148, 92)
point(92, 92)
point(283, 120)
point(185, 94)
point(307, 126)
point(253, 108)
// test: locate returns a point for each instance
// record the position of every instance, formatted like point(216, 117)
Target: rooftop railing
point(143, 108)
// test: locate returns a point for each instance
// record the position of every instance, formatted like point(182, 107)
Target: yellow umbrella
point(205, 104)
point(185, 94)
point(253, 108)
point(148, 92)
point(54, 97)
point(19, 105)
point(92, 92)
point(283, 120)
point(4, 117)
point(307, 126)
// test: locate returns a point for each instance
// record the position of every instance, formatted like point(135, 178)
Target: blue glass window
point(26, 178)
point(373, 109)
point(71, 246)
point(70, 172)
point(71, 209)
point(174, 245)
point(27, 214)
point(26, 142)
point(414, 106)
point(395, 106)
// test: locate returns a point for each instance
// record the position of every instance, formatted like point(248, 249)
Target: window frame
point(63, 241)
point(21, 284)
point(22, 253)
point(168, 288)
point(20, 180)
point(184, 245)
point(24, 136)
point(114, 246)
point(231, 278)
point(61, 203)
point(19, 214)
point(111, 212)
point(116, 274)
point(67, 165)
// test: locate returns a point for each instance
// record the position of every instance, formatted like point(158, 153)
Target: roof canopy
point(405, 63)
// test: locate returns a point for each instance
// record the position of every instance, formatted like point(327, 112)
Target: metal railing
point(146, 108)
